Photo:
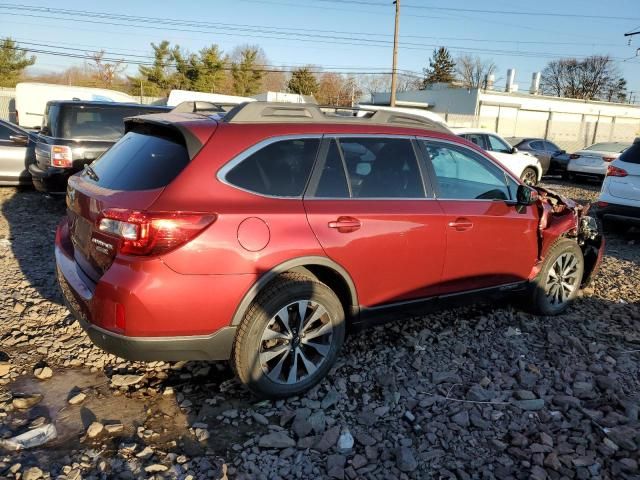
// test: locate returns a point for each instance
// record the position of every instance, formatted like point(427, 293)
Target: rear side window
point(478, 139)
point(537, 145)
point(140, 162)
point(279, 169)
point(632, 154)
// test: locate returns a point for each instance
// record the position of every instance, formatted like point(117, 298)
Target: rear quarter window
point(632, 154)
point(140, 162)
point(279, 169)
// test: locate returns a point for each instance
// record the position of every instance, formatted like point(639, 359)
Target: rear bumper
point(599, 171)
point(50, 180)
point(169, 316)
point(613, 211)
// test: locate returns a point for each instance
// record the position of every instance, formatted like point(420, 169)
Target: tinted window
point(140, 162)
point(382, 168)
point(477, 139)
point(333, 181)
point(280, 169)
point(50, 125)
point(5, 133)
point(632, 154)
point(552, 147)
point(497, 145)
point(463, 174)
point(92, 122)
point(539, 146)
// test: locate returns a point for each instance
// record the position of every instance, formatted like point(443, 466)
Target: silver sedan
point(16, 152)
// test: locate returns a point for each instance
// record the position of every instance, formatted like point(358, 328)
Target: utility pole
point(394, 68)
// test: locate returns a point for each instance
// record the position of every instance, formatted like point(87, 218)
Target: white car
point(620, 195)
point(594, 160)
point(522, 164)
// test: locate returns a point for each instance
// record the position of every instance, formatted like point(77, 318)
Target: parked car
point(522, 164)
point(32, 99)
point(619, 199)
point(593, 161)
point(16, 152)
point(75, 133)
point(552, 158)
point(264, 235)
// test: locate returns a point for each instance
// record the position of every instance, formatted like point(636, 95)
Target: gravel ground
point(481, 392)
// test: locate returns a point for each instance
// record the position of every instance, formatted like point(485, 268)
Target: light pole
point(394, 68)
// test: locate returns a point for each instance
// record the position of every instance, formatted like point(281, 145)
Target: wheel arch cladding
point(324, 269)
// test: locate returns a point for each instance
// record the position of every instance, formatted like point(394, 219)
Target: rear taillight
point(602, 204)
point(152, 233)
point(573, 156)
point(616, 172)
point(608, 159)
point(61, 156)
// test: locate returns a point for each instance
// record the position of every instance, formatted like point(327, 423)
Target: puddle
point(100, 404)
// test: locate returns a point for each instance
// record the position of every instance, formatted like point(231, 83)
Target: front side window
point(462, 174)
point(477, 139)
point(5, 133)
point(279, 169)
point(498, 145)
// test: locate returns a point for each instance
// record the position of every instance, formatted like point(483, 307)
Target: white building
point(569, 122)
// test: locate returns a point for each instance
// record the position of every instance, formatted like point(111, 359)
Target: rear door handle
point(345, 224)
point(461, 224)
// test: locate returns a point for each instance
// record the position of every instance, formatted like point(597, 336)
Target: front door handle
point(461, 224)
point(345, 224)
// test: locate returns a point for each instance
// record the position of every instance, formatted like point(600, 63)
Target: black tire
point(264, 315)
point(541, 300)
point(567, 176)
point(529, 176)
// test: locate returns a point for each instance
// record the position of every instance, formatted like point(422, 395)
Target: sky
point(343, 35)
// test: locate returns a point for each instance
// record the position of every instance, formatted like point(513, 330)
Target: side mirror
point(514, 150)
point(19, 139)
point(562, 152)
point(526, 195)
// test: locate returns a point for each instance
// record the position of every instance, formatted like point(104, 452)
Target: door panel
point(393, 248)
point(12, 161)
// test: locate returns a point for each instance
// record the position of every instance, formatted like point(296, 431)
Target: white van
point(176, 97)
point(32, 98)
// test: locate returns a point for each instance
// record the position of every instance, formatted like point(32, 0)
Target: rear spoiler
point(186, 129)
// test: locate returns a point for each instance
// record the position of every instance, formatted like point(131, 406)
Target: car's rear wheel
point(290, 337)
point(558, 282)
point(529, 176)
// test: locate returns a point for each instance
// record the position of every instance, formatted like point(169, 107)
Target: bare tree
point(473, 70)
point(587, 79)
point(106, 73)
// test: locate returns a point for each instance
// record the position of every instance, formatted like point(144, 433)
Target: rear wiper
point(91, 172)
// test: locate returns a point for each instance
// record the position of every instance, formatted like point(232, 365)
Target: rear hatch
point(626, 182)
point(115, 192)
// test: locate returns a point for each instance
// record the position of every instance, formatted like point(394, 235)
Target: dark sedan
point(553, 159)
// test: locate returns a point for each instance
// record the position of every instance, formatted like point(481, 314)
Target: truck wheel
point(290, 337)
point(558, 282)
point(529, 176)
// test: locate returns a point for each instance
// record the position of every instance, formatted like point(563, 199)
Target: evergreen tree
point(246, 72)
point(303, 82)
point(441, 68)
point(13, 60)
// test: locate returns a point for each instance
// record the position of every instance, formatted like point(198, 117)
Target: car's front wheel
point(529, 176)
point(559, 280)
point(290, 337)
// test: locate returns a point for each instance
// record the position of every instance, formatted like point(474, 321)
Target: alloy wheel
point(562, 279)
point(530, 178)
point(296, 342)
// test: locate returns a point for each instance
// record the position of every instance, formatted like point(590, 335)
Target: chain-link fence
point(570, 131)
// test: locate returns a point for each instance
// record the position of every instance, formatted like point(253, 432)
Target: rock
point(553, 338)
point(125, 380)
point(335, 466)
point(328, 440)
point(113, 428)
point(32, 473)
point(95, 429)
point(43, 373)
point(276, 440)
point(479, 422)
point(552, 461)
point(538, 473)
point(629, 464)
point(405, 460)
point(33, 437)
point(27, 401)
point(146, 453)
point(359, 461)
point(461, 418)
point(583, 389)
point(566, 401)
point(345, 441)
point(77, 398)
point(5, 368)
point(533, 405)
point(445, 377)
point(259, 418)
point(524, 395)
point(329, 399)
point(19, 308)
point(623, 437)
point(156, 468)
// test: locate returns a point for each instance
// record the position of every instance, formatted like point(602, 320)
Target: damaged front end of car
point(561, 217)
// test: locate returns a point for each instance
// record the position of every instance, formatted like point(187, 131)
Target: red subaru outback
point(263, 235)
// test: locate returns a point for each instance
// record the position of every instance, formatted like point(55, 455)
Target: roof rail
point(280, 112)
